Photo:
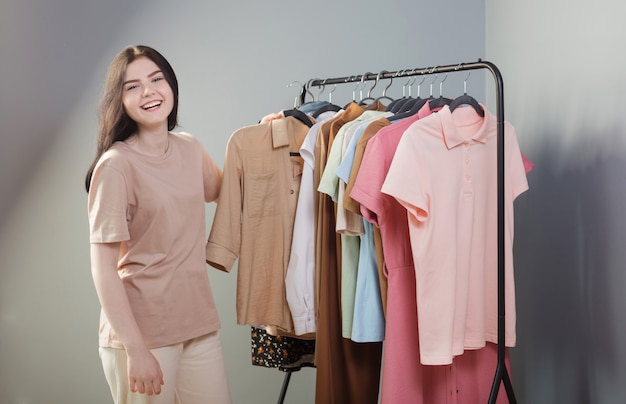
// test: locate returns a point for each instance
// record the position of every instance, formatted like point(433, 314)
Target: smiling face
point(147, 97)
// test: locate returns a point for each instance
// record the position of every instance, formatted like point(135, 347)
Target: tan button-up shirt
point(255, 216)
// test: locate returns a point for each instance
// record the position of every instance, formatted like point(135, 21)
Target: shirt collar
point(280, 133)
point(453, 138)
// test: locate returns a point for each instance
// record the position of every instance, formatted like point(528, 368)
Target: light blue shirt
point(368, 322)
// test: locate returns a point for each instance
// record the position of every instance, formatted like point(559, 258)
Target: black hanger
point(302, 117)
point(414, 108)
point(406, 106)
point(396, 104)
point(439, 102)
point(467, 99)
point(299, 115)
point(326, 108)
point(420, 102)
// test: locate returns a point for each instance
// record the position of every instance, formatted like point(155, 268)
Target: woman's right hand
point(144, 372)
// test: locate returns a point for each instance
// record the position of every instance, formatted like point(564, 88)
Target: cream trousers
point(193, 373)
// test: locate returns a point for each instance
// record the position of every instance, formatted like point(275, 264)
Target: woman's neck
point(152, 142)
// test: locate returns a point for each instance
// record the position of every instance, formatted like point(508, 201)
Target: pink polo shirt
point(451, 200)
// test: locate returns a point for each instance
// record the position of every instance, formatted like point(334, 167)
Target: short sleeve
point(107, 207)
point(516, 168)
point(407, 160)
point(369, 181)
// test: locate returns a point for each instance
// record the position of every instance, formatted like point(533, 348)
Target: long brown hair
point(115, 125)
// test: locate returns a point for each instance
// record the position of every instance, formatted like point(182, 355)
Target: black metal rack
point(501, 374)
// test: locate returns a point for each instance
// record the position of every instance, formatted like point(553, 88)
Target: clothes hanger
point(384, 95)
point(412, 107)
point(295, 112)
point(414, 104)
point(354, 90)
point(362, 101)
point(299, 115)
point(415, 107)
point(399, 101)
point(321, 87)
point(466, 99)
point(307, 90)
point(376, 102)
point(327, 107)
point(441, 101)
point(300, 98)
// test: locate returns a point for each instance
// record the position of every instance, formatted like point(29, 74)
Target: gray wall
point(563, 64)
point(234, 61)
point(563, 68)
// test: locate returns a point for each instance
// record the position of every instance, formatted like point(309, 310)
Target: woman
point(147, 190)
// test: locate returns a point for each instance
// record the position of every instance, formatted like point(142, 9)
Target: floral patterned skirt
point(281, 351)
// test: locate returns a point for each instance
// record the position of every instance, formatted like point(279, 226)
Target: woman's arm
point(144, 372)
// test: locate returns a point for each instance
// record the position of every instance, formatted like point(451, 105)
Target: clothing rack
point(501, 374)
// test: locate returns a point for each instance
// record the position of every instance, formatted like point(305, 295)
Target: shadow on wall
point(570, 250)
point(49, 60)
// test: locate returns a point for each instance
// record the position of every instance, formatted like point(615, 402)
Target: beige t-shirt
point(155, 206)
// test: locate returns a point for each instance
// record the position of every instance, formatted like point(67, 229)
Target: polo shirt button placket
point(467, 170)
point(467, 161)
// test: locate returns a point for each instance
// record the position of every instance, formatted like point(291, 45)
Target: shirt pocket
point(262, 194)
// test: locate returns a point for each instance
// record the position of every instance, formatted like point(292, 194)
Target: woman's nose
point(147, 90)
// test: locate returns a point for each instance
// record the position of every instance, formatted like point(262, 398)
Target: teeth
point(152, 105)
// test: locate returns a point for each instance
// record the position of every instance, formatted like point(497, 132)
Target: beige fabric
point(193, 373)
point(155, 206)
point(255, 216)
